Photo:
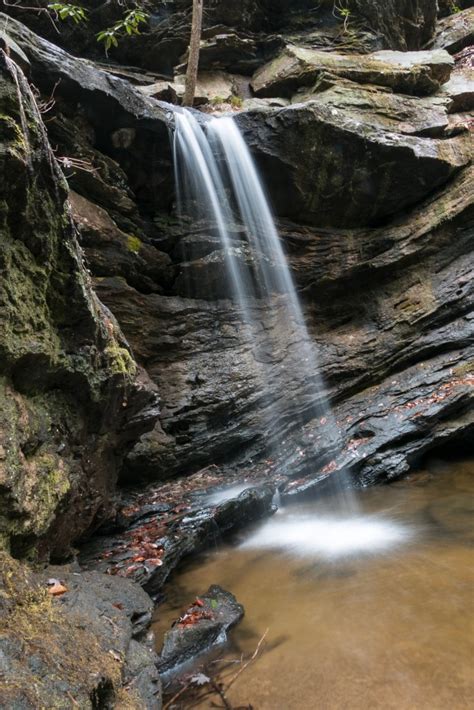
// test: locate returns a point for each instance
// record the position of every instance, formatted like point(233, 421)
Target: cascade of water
point(216, 178)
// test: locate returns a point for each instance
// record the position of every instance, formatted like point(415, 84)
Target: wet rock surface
point(150, 539)
point(203, 625)
point(163, 281)
point(93, 634)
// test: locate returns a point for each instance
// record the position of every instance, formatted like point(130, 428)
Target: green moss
point(52, 485)
point(236, 102)
point(10, 131)
point(120, 361)
point(467, 368)
point(134, 244)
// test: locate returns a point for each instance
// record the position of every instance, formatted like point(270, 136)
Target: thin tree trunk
point(193, 55)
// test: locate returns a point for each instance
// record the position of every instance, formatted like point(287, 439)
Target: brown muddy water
point(370, 610)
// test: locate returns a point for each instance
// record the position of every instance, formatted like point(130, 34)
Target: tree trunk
point(193, 55)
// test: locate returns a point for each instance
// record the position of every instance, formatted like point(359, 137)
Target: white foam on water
point(329, 537)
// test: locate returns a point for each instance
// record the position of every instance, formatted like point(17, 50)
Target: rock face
point(404, 24)
point(377, 135)
point(366, 159)
point(92, 636)
point(66, 382)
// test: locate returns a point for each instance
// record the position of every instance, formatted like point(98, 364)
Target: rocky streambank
point(129, 380)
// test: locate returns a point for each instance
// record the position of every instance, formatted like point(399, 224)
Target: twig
point(248, 662)
point(17, 6)
point(221, 692)
point(176, 696)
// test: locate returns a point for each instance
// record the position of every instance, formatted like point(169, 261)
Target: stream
point(370, 610)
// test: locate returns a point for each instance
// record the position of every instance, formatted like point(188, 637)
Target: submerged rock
point(203, 625)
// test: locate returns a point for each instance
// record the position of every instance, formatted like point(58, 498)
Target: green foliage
point(66, 11)
point(236, 102)
point(128, 25)
point(342, 12)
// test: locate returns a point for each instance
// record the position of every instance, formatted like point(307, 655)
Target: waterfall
point(217, 181)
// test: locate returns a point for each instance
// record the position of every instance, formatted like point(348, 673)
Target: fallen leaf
point(200, 679)
point(57, 589)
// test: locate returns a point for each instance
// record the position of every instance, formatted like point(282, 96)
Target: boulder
point(203, 625)
point(383, 109)
point(211, 87)
point(418, 73)
point(455, 32)
point(460, 90)
point(312, 154)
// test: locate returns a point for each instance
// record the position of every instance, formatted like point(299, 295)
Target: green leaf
point(214, 604)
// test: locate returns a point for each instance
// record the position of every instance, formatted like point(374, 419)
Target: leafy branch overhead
point(128, 25)
point(66, 11)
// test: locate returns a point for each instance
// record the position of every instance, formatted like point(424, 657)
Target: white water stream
point(217, 182)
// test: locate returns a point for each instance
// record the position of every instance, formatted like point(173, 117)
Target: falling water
point(217, 180)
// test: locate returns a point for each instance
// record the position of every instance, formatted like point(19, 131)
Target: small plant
point(66, 11)
point(236, 102)
point(342, 12)
point(217, 100)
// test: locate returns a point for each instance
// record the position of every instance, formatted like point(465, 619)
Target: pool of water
point(368, 608)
